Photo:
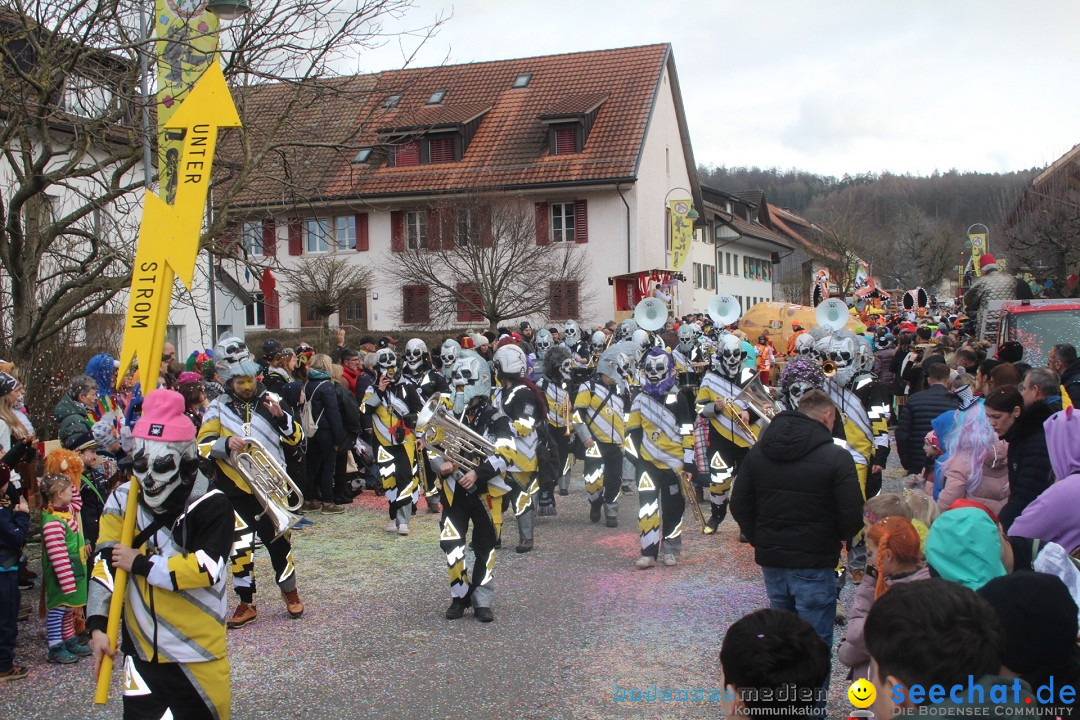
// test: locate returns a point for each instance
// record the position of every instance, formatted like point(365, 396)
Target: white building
point(594, 141)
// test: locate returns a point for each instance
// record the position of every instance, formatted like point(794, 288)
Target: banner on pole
point(682, 231)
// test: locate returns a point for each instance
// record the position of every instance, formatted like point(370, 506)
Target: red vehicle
point(1038, 325)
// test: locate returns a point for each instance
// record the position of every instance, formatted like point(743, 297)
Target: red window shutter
point(408, 154)
point(397, 231)
point(581, 221)
point(449, 228)
point(272, 310)
point(556, 295)
point(296, 237)
point(570, 297)
point(269, 237)
point(361, 232)
point(415, 304)
point(566, 141)
point(434, 228)
point(423, 302)
point(466, 312)
point(441, 150)
point(543, 224)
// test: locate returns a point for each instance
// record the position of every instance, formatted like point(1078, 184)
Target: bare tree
point(1043, 232)
point(72, 142)
point(923, 251)
point(480, 258)
point(324, 283)
point(840, 232)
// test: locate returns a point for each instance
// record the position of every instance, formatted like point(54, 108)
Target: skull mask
point(625, 330)
point(415, 354)
point(470, 377)
point(386, 362)
point(233, 359)
point(804, 345)
point(557, 364)
point(800, 376)
point(698, 332)
point(687, 338)
point(544, 341)
point(449, 355)
point(510, 361)
point(598, 341)
point(729, 357)
point(659, 372)
point(162, 468)
point(571, 333)
point(840, 349)
point(794, 392)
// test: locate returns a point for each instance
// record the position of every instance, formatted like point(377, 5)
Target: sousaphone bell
point(724, 309)
point(832, 314)
point(650, 314)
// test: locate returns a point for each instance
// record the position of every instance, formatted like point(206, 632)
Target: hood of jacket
point(101, 367)
point(964, 546)
point(1063, 442)
point(1030, 421)
point(792, 435)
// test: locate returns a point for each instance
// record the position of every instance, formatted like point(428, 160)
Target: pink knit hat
point(163, 418)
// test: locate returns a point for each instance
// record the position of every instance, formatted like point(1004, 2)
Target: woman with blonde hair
point(329, 437)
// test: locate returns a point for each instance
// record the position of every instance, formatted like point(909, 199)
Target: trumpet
point(735, 415)
point(565, 410)
point(688, 490)
point(270, 484)
point(829, 368)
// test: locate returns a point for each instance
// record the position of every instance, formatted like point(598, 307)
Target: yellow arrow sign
point(169, 234)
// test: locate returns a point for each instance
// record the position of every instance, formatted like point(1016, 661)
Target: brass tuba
point(760, 400)
point(270, 484)
point(446, 434)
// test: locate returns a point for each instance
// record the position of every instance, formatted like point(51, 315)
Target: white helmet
point(510, 361)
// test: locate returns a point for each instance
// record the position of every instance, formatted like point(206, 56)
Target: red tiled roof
point(510, 147)
point(744, 227)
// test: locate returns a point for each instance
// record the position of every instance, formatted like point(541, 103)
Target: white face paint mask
point(157, 466)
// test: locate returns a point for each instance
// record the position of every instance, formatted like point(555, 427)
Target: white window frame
point(563, 213)
point(345, 233)
point(468, 226)
point(86, 98)
point(251, 237)
point(312, 241)
point(255, 314)
point(416, 230)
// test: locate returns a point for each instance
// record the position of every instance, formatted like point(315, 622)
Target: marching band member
point(576, 343)
point(524, 404)
point(174, 604)
point(557, 389)
point(731, 430)
point(689, 356)
point(419, 371)
point(544, 342)
point(800, 376)
point(392, 406)
point(467, 495)
point(448, 354)
point(246, 411)
point(599, 423)
point(659, 437)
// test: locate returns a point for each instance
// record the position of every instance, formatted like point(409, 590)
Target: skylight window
point(392, 101)
point(362, 156)
point(522, 80)
point(436, 97)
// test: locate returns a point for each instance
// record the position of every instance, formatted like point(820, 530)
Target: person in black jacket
point(325, 443)
point(350, 422)
point(917, 414)
point(797, 498)
point(1029, 460)
point(1063, 361)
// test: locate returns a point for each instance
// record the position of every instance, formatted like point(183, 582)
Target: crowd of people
point(793, 440)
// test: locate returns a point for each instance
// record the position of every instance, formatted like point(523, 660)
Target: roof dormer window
point(436, 97)
point(565, 140)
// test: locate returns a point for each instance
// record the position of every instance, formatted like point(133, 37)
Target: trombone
point(688, 490)
point(828, 368)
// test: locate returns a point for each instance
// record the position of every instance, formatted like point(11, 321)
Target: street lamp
point(228, 9)
point(693, 214)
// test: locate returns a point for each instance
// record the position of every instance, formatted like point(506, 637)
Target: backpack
point(308, 422)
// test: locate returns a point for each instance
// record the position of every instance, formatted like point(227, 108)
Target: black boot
point(594, 511)
point(484, 614)
point(456, 609)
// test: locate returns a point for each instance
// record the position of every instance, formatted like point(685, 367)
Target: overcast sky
point(828, 86)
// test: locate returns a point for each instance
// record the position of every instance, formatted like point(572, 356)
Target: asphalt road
point(576, 623)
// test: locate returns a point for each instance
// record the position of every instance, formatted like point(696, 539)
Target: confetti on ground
point(575, 622)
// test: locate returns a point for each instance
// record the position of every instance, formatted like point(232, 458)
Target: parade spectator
point(769, 649)
point(324, 444)
point(982, 376)
point(1010, 351)
point(1063, 361)
point(893, 555)
point(1005, 374)
point(72, 413)
point(1042, 385)
point(350, 370)
point(904, 632)
point(337, 352)
point(1029, 461)
point(978, 466)
point(14, 531)
point(917, 415)
point(964, 546)
point(966, 359)
point(190, 386)
point(796, 499)
point(65, 567)
point(796, 331)
point(350, 422)
point(1052, 515)
point(992, 285)
point(765, 357)
point(526, 330)
point(1039, 620)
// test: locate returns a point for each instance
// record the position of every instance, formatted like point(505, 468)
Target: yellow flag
point(682, 231)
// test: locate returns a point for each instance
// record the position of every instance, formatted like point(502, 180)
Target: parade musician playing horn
point(246, 411)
